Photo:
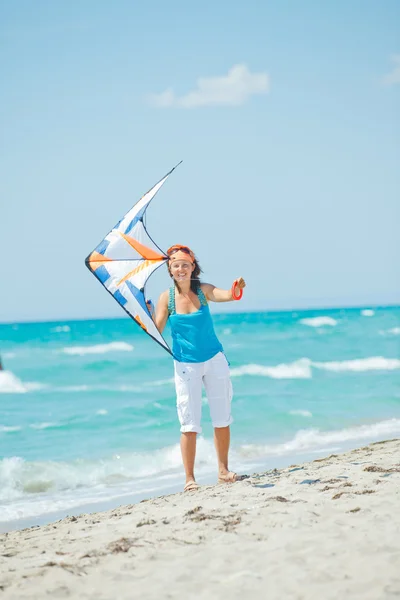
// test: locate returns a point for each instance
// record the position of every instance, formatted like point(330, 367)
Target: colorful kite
point(126, 258)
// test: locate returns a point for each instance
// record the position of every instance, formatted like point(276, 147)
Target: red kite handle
point(234, 296)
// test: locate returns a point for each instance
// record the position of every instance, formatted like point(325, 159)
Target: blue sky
point(286, 117)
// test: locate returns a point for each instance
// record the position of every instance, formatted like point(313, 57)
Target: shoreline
point(206, 477)
point(327, 528)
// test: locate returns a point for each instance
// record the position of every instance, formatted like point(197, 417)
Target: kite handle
point(150, 307)
point(234, 296)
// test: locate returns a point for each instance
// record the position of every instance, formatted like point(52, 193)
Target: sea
point(88, 411)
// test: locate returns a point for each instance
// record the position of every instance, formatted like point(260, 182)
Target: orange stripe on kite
point(146, 252)
point(96, 260)
point(143, 265)
point(96, 256)
point(142, 325)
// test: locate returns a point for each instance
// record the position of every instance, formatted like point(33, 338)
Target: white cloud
point(394, 76)
point(233, 89)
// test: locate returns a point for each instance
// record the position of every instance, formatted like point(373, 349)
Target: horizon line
point(274, 310)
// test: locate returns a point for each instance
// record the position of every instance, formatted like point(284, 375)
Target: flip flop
point(230, 477)
point(191, 486)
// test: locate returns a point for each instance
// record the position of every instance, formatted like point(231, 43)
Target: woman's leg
point(222, 438)
point(188, 383)
point(219, 393)
point(188, 449)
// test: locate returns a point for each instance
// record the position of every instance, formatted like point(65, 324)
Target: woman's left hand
point(240, 283)
point(237, 288)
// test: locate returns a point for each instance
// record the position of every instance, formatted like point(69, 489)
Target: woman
point(198, 358)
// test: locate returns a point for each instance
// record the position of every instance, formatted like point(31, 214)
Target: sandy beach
point(326, 529)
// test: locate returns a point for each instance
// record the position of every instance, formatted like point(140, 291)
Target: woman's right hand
point(150, 307)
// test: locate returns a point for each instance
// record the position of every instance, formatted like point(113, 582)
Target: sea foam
point(372, 363)
point(30, 489)
point(20, 478)
point(9, 428)
point(302, 368)
point(10, 384)
point(299, 369)
point(98, 349)
point(300, 412)
point(45, 425)
point(319, 321)
point(308, 439)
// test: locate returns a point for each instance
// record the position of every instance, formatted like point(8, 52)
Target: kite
point(125, 259)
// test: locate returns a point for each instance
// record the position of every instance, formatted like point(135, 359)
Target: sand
point(328, 529)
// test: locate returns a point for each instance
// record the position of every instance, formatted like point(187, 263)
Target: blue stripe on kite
point(102, 273)
point(102, 247)
point(135, 220)
point(120, 298)
point(137, 294)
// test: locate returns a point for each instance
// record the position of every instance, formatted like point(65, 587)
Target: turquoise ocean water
point(87, 408)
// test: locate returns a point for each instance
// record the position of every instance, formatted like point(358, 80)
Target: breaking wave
point(310, 439)
point(98, 349)
point(302, 368)
point(29, 489)
point(299, 369)
point(373, 363)
point(319, 321)
point(300, 412)
point(10, 384)
point(9, 428)
point(45, 425)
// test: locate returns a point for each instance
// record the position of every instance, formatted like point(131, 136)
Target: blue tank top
point(193, 336)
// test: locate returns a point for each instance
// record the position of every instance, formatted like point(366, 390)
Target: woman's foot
point(228, 477)
point(191, 486)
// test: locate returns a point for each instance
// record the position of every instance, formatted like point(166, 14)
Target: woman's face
point(181, 270)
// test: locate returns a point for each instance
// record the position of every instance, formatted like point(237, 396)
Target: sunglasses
point(177, 247)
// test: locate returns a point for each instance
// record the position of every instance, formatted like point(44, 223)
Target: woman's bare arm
point(161, 316)
point(215, 294)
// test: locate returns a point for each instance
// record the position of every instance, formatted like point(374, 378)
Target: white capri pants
point(189, 377)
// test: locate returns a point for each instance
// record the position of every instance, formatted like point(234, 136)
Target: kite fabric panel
point(125, 259)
